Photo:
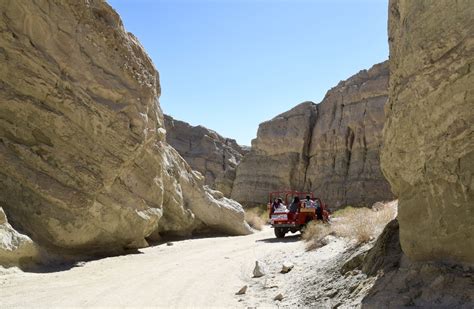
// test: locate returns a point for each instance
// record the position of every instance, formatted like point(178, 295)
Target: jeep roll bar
point(288, 193)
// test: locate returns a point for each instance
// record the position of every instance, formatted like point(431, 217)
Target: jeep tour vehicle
point(284, 221)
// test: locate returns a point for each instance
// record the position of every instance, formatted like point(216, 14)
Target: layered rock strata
point(428, 156)
point(84, 165)
point(214, 156)
point(278, 157)
point(331, 148)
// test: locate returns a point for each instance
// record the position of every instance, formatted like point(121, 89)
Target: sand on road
point(204, 272)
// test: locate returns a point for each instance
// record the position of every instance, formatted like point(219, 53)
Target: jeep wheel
point(280, 232)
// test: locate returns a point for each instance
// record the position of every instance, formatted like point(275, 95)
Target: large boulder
point(428, 153)
point(331, 148)
point(193, 206)
point(84, 165)
point(207, 152)
point(16, 249)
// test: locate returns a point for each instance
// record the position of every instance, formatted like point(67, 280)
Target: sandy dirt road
point(195, 273)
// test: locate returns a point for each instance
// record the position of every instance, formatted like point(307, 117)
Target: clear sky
point(232, 64)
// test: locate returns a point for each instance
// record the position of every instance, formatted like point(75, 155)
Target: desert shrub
point(342, 212)
point(360, 224)
point(355, 224)
point(363, 224)
point(313, 234)
point(256, 217)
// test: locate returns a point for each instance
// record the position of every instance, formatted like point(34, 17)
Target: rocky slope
point(206, 151)
point(428, 156)
point(331, 148)
point(393, 281)
point(84, 165)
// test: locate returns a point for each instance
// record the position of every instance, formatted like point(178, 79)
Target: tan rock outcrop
point(344, 165)
point(277, 159)
point(428, 156)
point(15, 249)
point(207, 152)
point(192, 206)
point(397, 282)
point(331, 148)
point(83, 161)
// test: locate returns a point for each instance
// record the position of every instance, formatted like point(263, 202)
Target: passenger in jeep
point(295, 205)
point(274, 205)
point(319, 210)
point(281, 206)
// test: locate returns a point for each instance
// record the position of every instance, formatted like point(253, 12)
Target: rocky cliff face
point(428, 155)
point(331, 148)
point(278, 157)
point(207, 152)
point(344, 166)
point(84, 164)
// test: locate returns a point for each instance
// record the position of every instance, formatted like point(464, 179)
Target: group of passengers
point(278, 206)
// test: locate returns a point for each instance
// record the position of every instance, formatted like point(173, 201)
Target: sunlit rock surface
point(83, 161)
point(16, 249)
point(331, 148)
point(206, 151)
point(428, 155)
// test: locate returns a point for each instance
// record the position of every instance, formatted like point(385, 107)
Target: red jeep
point(284, 221)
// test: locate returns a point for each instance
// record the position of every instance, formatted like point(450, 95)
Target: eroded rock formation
point(209, 153)
point(16, 249)
point(331, 148)
point(428, 156)
point(397, 282)
point(277, 159)
point(84, 164)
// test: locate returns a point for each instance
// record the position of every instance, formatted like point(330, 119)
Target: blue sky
point(232, 64)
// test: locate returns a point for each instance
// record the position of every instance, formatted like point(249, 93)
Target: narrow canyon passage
point(191, 273)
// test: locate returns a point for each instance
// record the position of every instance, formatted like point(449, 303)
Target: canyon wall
point(428, 153)
point(344, 165)
point(207, 152)
point(331, 148)
point(277, 159)
point(84, 165)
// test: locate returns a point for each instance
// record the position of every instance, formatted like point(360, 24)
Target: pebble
point(242, 291)
point(279, 297)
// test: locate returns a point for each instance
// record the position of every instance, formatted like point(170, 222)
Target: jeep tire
point(280, 232)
